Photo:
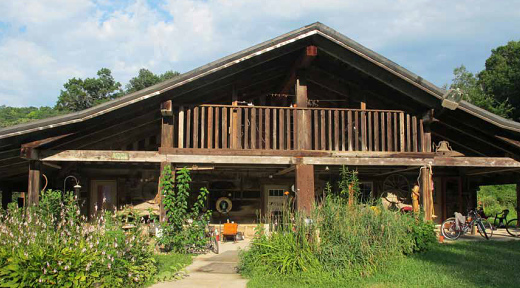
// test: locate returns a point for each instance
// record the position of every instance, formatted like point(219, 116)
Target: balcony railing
point(284, 128)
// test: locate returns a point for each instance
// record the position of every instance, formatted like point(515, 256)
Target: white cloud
point(45, 42)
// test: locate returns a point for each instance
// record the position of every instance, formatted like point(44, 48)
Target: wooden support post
point(304, 187)
point(167, 142)
point(33, 190)
point(167, 124)
point(426, 197)
point(304, 116)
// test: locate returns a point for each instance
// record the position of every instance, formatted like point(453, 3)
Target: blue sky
point(45, 42)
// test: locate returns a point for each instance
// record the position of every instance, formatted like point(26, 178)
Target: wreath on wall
point(224, 205)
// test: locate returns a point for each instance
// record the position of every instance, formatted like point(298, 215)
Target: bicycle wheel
point(214, 245)
point(513, 227)
point(485, 228)
point(449, 230)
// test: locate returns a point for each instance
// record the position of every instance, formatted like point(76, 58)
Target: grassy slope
point(463, 264)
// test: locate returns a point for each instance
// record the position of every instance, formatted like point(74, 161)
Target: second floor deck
point(226, 127)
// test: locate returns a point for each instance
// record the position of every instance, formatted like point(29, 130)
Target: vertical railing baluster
point(188, 128)
point(267, 128)
point(383, 132)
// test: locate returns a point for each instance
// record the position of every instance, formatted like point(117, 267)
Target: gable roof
point(431, 94)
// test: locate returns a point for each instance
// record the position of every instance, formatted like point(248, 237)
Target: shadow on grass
point(480, 263)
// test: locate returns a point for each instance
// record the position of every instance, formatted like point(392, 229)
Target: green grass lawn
point(459, 264)
point(169, 266)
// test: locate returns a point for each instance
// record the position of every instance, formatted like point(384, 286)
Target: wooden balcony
point(283, 128)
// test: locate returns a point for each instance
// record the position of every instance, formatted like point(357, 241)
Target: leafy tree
point(17, 115)
point(501, 78)
point(146, 78)
point(473, 92)
point(82, 94)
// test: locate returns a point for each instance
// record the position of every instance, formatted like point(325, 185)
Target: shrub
point(52, 245)
point(184, 229)
point(423, 233)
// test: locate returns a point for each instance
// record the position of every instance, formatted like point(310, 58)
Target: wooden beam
point(34, 183)
point(52, 165)
point(301, 63)
point(396, 171)
point(285, 171)
point(304, 187)
point(490, 171)
point(371, 67)
point(279, 157)
point(477, 136)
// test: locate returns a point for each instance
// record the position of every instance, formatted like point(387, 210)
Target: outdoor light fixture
point(77, 187)
point(451, 99)
point(326, 168)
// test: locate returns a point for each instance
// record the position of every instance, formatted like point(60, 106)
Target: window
point(275, 192)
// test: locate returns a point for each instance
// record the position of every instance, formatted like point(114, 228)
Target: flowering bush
point(52, 245)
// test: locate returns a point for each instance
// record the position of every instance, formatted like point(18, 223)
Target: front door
point(275, 198)
point(103, 195)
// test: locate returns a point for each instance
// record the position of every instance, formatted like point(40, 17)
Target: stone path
point(213, 270)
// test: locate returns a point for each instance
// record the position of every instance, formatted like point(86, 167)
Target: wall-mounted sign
point(120, 156)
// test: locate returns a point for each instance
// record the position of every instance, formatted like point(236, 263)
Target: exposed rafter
point(301, 63)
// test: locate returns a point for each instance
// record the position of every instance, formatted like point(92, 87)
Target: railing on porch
point(276, 128)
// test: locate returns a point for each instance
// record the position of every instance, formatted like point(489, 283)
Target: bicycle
point(449, 226)
point(513, 226)
point(501, 219)
point(211, 235)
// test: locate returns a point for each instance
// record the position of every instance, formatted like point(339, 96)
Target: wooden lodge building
point(284, 115)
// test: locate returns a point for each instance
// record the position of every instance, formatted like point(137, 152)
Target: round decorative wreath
point(224, 205)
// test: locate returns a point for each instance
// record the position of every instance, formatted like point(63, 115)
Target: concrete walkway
point(212, 270)
point(498, 235)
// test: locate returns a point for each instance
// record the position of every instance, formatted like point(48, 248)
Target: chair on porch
point(230, 230)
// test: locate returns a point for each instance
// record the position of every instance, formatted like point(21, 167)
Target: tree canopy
point(146, 78)
point(14, 115)
point(79, 94)
point(473, 92)
point(501, 78)
point(82, 94)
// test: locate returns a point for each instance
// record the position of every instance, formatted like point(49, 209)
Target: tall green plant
point(349, 181)
point(184, 229)
point(343, 240)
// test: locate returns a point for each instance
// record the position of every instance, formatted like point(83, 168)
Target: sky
point(43, 43)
